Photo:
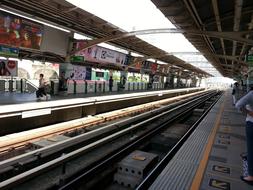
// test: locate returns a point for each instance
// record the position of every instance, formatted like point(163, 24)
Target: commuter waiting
point(110, 83)
point(62, 82)
point(245, 104)
point(235, 92)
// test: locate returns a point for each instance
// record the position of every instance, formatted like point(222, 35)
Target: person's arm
point(249, 112)
point(244, 101)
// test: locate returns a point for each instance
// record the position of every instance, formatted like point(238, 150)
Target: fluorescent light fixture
point(81, 37)
point(162, 63)
point(152, 60)
point(136, 54)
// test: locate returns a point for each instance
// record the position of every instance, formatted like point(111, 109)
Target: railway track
point(18, 143)
point(87, 151)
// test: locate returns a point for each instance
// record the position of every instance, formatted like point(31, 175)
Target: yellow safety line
point(202, 166)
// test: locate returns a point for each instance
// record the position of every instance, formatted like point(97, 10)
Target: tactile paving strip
point(180, 172)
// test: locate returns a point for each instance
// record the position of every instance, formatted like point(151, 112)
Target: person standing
point(62, 82)
point(245, 104)
point(235, 92)
point(41, 91)
point(110, 83)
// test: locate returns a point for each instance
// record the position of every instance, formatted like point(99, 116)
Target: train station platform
point(210, 158)
point(20, 110)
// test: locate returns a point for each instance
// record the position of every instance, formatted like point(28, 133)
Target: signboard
point(153, 68)
point(147, 65)
point(89, 54)
point(75, 72)
point(77, 58)
point(19, 32)
point(8, 68)
point(99, 54)
point(110, 56)
point(8, 51)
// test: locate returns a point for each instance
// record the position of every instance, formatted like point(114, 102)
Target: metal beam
point(229, 57)
point(218, 23)
point(237, 19)
point(226, 35)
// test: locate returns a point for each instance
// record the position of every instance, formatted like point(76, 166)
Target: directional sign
point(221, 169)
point(219, 184)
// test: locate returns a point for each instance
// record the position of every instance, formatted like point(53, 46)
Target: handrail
point(27, 81)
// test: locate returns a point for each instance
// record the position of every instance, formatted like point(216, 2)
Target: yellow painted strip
point(202, 166)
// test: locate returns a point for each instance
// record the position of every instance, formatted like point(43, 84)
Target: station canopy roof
point(66, 15)
point(220, 29)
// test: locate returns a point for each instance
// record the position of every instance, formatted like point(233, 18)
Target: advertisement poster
point(153, 67)
point(19, 32)
point(110, 56)
point(8, 68)
point(89, 54)
point(99, 54)
point(146, 65)
point(75, 72)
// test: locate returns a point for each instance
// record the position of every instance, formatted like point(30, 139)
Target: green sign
point(250, 60)
point(77, 59)
point(8, 51)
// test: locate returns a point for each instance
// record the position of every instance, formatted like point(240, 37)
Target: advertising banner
point(8, 68)
point(89, 54)
point(153, 68)
point(110, 56)
point(8, 51)
point(147, 65)
point(19, 32)
point(75, 72)
point(128, 60)
point(99, 54)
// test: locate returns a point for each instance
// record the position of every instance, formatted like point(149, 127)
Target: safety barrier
point(75, 86)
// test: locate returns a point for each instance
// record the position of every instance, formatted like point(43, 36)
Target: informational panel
point(19, 32)
point(55, 41)
point(8, 68)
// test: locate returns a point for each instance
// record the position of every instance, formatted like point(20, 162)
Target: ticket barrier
point(80, 86)
point(2, 85)
point(71, 86)
point(131, 84)
point(54, 87)
point(100, 86)
point(91, 88)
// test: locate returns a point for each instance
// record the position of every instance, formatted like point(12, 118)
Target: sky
point(131, 15)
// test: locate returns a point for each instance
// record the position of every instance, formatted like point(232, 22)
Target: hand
point(250, 113)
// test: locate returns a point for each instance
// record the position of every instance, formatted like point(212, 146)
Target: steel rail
point(106, 130)
point(110, 160)
point(65, 158)
point(162, 164)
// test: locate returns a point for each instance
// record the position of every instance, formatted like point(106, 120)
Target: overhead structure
point(225, 52)
point(68, 16)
